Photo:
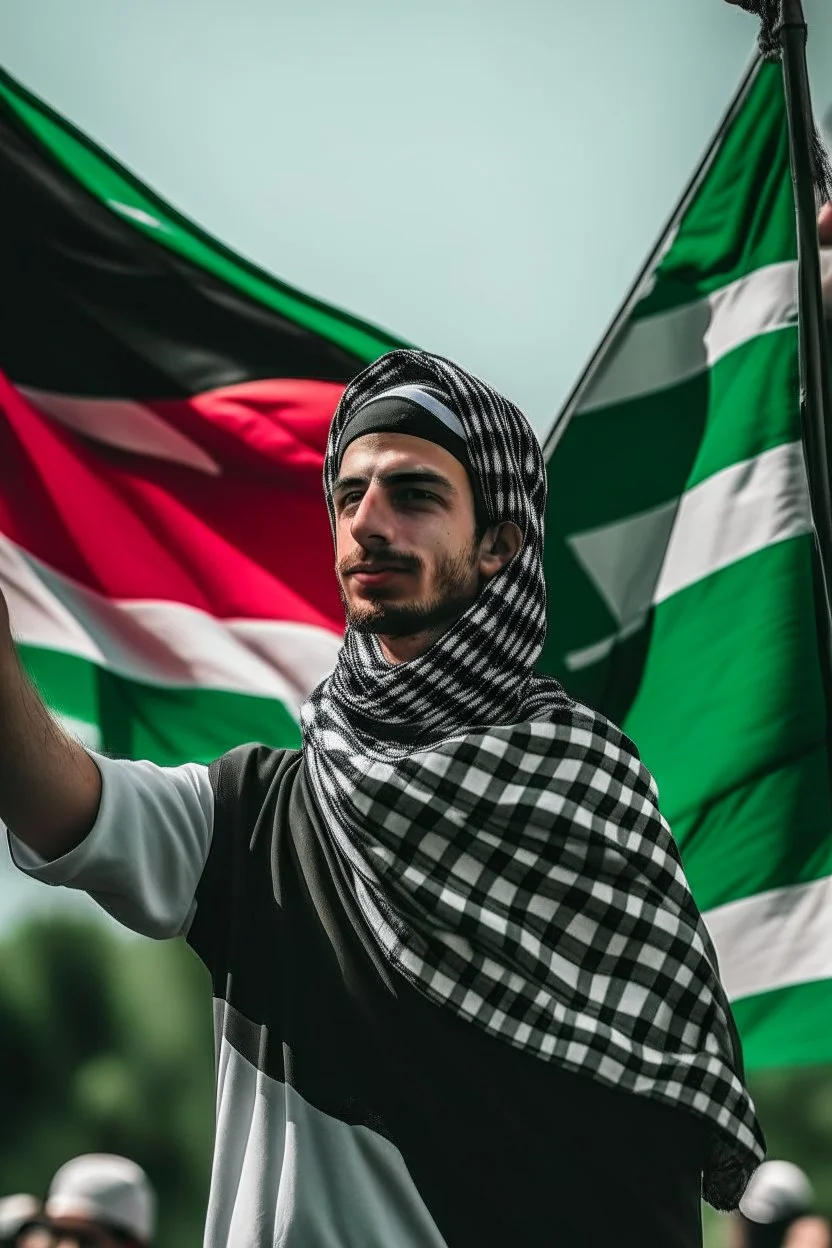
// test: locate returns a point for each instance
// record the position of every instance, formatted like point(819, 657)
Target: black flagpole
point(815, 393)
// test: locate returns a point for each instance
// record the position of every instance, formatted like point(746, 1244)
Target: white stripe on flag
point(163, 643)
point(671, 347)
point(645, 559)
point(774, 939)
point(126, 425)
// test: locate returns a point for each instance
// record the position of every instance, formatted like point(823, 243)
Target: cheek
point(344, 541)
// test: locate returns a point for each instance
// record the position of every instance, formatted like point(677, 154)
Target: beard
point(455, 590)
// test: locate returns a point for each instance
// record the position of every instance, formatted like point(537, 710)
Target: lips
point(373, 577)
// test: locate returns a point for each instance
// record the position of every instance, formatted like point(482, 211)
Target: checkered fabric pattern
point(505, 843)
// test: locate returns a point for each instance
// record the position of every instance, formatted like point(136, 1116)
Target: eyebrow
point(412, 476)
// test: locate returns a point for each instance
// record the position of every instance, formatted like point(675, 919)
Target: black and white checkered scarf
point(505, 843)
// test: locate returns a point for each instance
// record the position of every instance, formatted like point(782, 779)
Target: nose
point(373, 523)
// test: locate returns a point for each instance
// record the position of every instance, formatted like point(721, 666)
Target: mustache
point(380, 558)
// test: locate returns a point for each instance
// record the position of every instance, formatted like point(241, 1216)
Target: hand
point(5, 625)
point(825, 240)
point(824, 224)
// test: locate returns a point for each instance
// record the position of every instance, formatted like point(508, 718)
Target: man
point(98, 1200)
point(776, 1211)
point(464, 996)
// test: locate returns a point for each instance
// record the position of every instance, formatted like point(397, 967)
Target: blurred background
point(482, 178)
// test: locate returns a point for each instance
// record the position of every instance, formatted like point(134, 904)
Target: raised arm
point(133, 835)
point(50, 788)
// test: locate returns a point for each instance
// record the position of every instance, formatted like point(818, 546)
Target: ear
point(499, 544)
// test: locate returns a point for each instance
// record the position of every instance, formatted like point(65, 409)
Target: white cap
point(104, 1188)
point(776, 1191)
point(15, 1212)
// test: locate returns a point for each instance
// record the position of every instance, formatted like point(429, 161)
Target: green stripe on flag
point(679, 565)
point(743, 217)
point(788, 1027)
point(114, 186)
point(739, 402)
point(765, 716)
point(131, 719)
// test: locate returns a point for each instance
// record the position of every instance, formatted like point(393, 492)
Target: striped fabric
point(679, 561)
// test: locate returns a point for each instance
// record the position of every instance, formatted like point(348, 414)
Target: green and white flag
point(680, 572)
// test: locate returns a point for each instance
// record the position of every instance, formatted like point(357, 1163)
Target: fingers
point(825, 226)
point(825, 240)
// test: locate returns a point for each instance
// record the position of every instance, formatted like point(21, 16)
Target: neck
point(402, 649)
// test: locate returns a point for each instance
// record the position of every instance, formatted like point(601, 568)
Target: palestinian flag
point(680, 565)
point(164, 407)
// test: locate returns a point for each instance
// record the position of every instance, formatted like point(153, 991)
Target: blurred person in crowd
point(808, 1233)
point(776, 1211)
point(98, 1200)
point(16, 1212)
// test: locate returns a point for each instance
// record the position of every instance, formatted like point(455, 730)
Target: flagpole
point(815, 393)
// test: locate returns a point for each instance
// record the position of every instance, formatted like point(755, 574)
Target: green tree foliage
point(106, 1046)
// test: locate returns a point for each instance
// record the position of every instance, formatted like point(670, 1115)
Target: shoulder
point(586, 724)
point(572, 723)
point(597, 746)
point(248, 772)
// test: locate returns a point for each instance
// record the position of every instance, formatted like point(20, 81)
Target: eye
point(414, 495)
point(347, 500)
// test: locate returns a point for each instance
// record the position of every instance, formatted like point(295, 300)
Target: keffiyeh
point(505, 843)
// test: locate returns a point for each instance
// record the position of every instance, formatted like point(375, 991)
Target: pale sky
point(483, 177)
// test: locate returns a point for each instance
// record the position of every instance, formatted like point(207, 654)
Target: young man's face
point(407, 555)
